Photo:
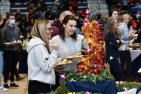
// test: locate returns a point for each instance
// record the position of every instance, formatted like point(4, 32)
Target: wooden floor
point(22, 89)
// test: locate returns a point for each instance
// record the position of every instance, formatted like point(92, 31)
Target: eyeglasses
point(49, 29)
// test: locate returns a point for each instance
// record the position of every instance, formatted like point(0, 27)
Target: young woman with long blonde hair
point(41, 59)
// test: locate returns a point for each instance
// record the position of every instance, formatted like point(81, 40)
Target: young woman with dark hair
point(69, 42)
point(112, 44)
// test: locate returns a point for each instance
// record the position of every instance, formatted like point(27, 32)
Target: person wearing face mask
point(12, 22)
point(12, 46)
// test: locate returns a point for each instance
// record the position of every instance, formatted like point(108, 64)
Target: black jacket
point(111, 46)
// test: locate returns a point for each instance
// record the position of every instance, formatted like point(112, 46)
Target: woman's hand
point(86, 51)
point(132, 32)
point(118, 41)
point(54, 46)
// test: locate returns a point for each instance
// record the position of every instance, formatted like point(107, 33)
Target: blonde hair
point(125, 16)
point(39, 30)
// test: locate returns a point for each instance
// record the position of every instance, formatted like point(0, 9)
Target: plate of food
point(78, 55)
point(64, 61)
point(69, 59)
point(68, 64)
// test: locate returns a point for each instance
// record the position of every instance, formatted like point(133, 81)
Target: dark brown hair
point(65, 21)
point(109, 27)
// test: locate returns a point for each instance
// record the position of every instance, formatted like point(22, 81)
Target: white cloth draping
point(134, 54)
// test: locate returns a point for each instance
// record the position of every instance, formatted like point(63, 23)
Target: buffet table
point(136, 61)
point(134, 54)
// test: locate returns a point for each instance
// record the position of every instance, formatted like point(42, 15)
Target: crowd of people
point(59, 37)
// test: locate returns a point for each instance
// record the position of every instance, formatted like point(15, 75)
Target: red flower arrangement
point(92, 66)
point(94, 61)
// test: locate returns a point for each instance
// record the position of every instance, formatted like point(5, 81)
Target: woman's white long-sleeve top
point(40, 62)
point(69, 47)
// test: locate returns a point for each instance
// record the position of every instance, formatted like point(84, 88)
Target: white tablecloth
point(134, 54)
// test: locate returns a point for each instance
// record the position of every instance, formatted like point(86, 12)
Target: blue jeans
point(1, 62)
